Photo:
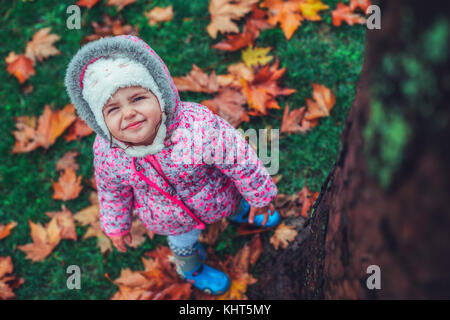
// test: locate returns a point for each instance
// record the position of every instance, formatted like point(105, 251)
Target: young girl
point(147, 151)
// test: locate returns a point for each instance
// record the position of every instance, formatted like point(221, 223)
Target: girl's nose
point(128, 112)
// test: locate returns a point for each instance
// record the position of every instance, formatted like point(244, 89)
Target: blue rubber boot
point(242, 216)
point(193, 269)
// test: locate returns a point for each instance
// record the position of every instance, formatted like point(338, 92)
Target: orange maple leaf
point(41, 45)
point(44, 240)
point(77, 130)
point(197, 81)
point(293, 121)
point(65, 221)
point(307, 199)
point(158, 14)
point(68, 186)
point(287, 13)
point(8, 282)
point(262, 91)
point(345, 13)
point(120, 4)
point(20, 66)
point(87, 3)
point(5, 230)
point(324, 101)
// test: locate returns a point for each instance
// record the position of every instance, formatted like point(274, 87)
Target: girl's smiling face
point(131, 105)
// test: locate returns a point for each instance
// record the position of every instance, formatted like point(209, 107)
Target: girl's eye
point(139, 98)
point(111, 109)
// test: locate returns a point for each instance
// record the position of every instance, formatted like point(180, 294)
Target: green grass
point(318, 52)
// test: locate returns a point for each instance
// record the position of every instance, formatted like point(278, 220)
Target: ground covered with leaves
point(289, 65)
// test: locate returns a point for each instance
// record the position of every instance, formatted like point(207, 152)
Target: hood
point(134, 49)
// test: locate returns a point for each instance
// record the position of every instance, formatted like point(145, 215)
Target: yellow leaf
point(256, 56)
point(310, 9)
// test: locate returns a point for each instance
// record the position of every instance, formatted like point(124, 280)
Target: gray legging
point(182, 244)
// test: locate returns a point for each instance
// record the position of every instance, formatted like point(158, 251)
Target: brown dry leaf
point(138, 232)
point(65, 221)
point(51, 125)
point(20, 66)
point(238, 41)
point(307, 199)
point(158, 14)
point(236, 72)
point(67, 161)
point(287, 13)
point(197, 81)
point(108, 28)
point(119, 3)
point(288, 205)
point(41, 46)
point(324, 101)
point(10, 282)
point(283, 234)
point(77, 130)
point(68, 186)
point(103, 242)
point(346, 14)
point(5, 230)
point(294, 121)
point(228, 104)
point(263, 90)
point(223, 12)
point(87, 3)
point(44, 240)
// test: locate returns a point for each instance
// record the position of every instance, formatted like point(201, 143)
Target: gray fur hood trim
point(124, 45)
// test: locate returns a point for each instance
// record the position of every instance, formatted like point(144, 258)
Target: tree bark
point(385, 201)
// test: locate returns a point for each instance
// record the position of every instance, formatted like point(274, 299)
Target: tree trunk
point(385, 201)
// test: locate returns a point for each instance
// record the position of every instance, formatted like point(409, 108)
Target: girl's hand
point(119, 241)
point(264, 210)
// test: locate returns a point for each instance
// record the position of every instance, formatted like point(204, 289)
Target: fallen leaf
point(10, 282)
point(310, 9)
point(68, 185)
point(307, 199)
point(67, 161)
point(287, 13)
point(77, 130)
point(256, 56)
point(20, 66)
point(361, 4)
point(5, 230)
point(345, 13)
point(120, 4)
point(228, 104)
point(108, 28)
point(87, 3)
point(41, 45)
point(324, 101)
point(214, 231)
point(283, 235)
point(293, 121)
point(66, 223)
point(158, 14)
point(197, 81)
point(45, 239)
point(234, 42)
point(223, 12)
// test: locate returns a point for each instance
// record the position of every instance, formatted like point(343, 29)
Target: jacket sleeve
point(115, 199)
point(244, 167)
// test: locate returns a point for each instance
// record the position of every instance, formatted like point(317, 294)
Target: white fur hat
point(103, 78)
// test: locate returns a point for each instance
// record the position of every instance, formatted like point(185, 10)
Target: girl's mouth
point(136, 125)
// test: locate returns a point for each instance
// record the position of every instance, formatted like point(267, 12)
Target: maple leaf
point(108, 28)
point(237, 72)
point(67, 161)
point(119, 3)
point(65, 222)
point(51, 124)
point(287, 13)
point(293, 121)
point(68, 186)
point(158, 14)
point(10, 282)
point(310, 9)
point(20, 66)
point(324, 101)
point(44, 240)
point(228, 104)
point(261, 92)
point(87, 3)
point(41, 45)
point(5, 230)
point(238, 287)
point(307, 199)
point(138, 232)
point(223, 12)
point(287, 205)
point(345, 13)
point(197, 81)
point(283, 234)
point(77, 130)
point(256, 56)
point(361, 4)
